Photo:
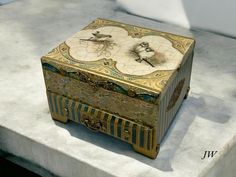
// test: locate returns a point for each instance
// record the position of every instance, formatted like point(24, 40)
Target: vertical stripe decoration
point(99, 120)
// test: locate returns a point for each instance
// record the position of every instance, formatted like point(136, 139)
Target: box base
point(59, 118)
point(149, 153)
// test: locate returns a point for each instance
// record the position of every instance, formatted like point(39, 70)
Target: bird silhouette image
point(98, 36)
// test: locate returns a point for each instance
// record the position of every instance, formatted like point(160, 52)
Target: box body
point(122, 80)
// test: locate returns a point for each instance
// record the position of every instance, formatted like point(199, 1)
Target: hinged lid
point(139, 60)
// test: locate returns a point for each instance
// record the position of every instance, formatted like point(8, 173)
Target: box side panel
point(171, 101)
point(115, 103)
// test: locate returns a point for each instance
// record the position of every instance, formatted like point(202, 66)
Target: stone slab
point(205, 122)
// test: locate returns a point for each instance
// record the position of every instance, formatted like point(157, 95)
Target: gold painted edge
point(133, 81)
point(156, 90)
point(176, 40)
point(142, 88)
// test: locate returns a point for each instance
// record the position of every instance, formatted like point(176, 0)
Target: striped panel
point(119, 129)
point(108, 123)
point(166, 117)
point(130, 130)
point(50, 102)
point(70, 109)
point(60, 106)
point(55, 103)
point(114, 125)
point(77, 111)
point(138, 135)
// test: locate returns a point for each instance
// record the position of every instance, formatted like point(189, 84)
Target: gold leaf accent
point(153, 82)
point(180, 43)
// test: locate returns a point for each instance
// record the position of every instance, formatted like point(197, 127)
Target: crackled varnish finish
point(119, 79)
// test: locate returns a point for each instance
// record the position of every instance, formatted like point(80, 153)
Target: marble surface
point(205, 122)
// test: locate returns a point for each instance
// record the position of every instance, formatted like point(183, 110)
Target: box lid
point(139, 58)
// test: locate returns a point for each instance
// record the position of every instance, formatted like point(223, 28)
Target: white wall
point(214, 15)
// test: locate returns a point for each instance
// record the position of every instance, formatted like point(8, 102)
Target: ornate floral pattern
point(153, 82)
point(179, 42)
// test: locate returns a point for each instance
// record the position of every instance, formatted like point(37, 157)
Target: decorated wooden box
point(119, 79)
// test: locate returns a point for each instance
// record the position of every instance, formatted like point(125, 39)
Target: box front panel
point(63, 108)
point(173, 98)
point(122, 105)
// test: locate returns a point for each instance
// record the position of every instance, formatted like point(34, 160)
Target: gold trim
point(116, 127)
point(154, 82)
point(181, 43)
point(153, 150)
point(151, 139)
point(123, 135)
point(59, 118)
point(96, 121)
point(145, 131)
point(109, 123)
point(149, 153)
point(138, 128)
point(130, 131)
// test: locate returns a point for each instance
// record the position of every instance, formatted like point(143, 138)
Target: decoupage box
point(119, 79)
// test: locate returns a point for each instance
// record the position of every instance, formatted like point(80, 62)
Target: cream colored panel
point(114, 42)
